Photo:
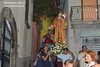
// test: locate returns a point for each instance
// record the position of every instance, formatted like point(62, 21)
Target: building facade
point(15, 33)
point(84, 24)
point(16, 49)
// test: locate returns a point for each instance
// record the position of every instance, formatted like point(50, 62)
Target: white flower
point(57, 49)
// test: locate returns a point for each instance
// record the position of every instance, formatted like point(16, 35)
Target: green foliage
point(45, 24)
point(44, 8)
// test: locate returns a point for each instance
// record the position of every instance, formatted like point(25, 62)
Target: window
point(6, 41)
point(92, 42)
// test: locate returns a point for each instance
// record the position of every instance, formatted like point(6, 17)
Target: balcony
point(85, 14)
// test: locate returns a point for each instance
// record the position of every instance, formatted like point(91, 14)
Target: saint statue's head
point(60, 14)
point(63, 16)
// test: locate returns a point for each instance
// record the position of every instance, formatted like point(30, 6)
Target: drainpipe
point(26, 14)
point(82, 10)
point(97, 11)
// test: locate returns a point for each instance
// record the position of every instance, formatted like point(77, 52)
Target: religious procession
point(54, 51)
point(49, 33)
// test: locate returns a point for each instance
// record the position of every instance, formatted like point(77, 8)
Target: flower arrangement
point(57, 49)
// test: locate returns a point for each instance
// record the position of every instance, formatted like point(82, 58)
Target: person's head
point(84, 48)
point(98, 55)
point(48, 35)
point(45, 47)
point(69, 63)
point(90, 56)
point(65, 50)
point(41, 49)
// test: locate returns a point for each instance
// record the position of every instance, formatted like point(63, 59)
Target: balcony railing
point(86, 13)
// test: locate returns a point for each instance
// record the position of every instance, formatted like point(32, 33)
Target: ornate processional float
point(60, 32)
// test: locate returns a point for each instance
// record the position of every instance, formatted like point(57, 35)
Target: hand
point(48, 54)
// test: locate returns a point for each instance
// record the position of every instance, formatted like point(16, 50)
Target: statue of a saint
point(60, 26)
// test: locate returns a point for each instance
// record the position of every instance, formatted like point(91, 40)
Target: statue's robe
point(60, 26)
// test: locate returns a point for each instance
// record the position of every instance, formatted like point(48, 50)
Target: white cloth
point(81, 59)
point(90, 64)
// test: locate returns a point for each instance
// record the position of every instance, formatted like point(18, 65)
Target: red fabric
point(59, 64)
point(48, 40)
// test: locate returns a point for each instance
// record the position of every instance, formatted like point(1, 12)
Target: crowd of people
point(86, 58)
